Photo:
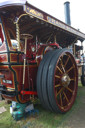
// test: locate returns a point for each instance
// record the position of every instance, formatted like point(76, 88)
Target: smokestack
point(67, 12)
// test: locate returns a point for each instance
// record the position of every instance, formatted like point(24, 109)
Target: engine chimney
point(67, 12)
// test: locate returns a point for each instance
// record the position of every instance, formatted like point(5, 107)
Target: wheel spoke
point(62, 65)
point(58, 85)
point(61, 100)
point(59, 69)
point(57, 76)
point(59, 91)
point(69, 69)
point(69, 89)
point(66, 62)
point(72, 79)
point(66, 97)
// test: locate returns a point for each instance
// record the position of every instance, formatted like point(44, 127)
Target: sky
point(56, 9)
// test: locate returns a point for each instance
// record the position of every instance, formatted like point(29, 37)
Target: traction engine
point(32, 63)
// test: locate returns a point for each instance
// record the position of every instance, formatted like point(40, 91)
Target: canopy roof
point(36, 22)
point(12, 2)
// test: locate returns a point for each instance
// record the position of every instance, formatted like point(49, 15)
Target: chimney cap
point(67, 2)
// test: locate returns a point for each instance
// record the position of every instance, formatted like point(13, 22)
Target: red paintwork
point(15, 72)
point(28, 93)
point(3, 58)
point(55, 44)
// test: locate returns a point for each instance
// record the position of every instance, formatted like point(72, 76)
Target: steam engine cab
point(12, 58)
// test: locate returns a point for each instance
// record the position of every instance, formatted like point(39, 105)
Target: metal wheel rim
point(65, 92)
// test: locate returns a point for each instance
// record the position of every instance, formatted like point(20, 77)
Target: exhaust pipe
point(67, 13)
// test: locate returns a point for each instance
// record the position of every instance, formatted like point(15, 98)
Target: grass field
point(44, 119)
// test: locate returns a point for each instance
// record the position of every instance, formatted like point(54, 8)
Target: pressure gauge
point(33, 49)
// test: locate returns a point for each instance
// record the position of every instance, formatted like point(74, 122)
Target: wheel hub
point(65, 80)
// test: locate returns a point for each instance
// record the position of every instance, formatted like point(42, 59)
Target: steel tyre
point(44, 80)
point(39, 78)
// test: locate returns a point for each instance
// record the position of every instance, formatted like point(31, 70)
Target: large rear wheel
point(58, 81)
point(62, 81)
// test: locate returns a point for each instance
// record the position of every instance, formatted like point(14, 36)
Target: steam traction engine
point(32, 63)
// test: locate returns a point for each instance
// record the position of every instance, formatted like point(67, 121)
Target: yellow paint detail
point(34, 12)
point(65, 96)
point(59, 69)
point(57, 76)
point(69, 89)
point(59, 91)
point(69, 69)
point(58, 85)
